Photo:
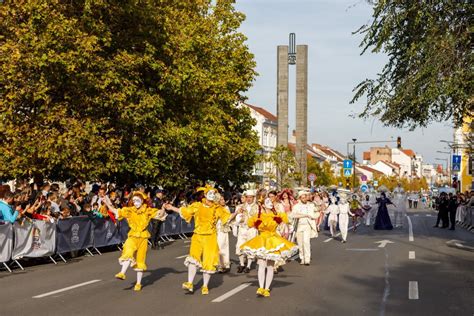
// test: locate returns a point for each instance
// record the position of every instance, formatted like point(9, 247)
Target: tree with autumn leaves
point(125, 91)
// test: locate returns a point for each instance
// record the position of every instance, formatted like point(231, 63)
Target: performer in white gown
point(400, 199)
point(344, 213)
point(333, 211)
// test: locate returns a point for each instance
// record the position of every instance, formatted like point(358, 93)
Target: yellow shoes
point(138, 287)
point(188, 286)
point(260, 291)
point(204, 290)
point(266, 293)
point(120, 276)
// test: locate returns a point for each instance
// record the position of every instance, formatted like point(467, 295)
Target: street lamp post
point(354, 165)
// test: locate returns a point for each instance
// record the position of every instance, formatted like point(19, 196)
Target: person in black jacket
point(452, 207)
point(443, 204)
point(157, 202)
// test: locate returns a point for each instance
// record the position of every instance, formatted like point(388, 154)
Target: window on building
point(470, 169)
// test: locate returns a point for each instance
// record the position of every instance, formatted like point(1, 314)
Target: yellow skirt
point(269, 246)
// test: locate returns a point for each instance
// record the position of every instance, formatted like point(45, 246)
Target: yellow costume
point(269, 245)
point(204, 251)
point(137, 241)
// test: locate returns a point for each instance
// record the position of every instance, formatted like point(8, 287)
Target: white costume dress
point(306, 228)
point(244, 232)
point(400, 200)
point(223, 242)
point(333, 211)
point(344, 212)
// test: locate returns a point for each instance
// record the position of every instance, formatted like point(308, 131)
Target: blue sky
point(334, 69)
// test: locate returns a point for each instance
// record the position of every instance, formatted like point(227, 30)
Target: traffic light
point(399, 142)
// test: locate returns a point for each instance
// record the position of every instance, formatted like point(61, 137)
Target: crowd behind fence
point(41, 239)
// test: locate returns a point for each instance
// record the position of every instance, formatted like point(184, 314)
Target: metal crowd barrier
point(466, 218)
point(40, 239)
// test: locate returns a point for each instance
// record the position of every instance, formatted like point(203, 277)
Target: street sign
point(364, 188)
point(347, 164)
point(456, 165)
point(376, 183)
point(347, 172)
point(312, 177)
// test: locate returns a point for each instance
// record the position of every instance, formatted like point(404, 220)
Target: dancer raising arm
point(136, 246)
point(204, 251)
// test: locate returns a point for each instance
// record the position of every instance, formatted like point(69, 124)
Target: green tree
point(323, 172)
point(130, 90)
point(429, 73)
point(284, 162)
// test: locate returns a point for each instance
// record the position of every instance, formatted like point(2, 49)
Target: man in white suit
point(305, 214)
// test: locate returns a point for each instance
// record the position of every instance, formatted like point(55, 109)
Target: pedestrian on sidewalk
point(443, 206)
point(452, 207)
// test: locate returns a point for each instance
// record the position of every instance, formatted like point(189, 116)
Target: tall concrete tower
point(301, 133)
point(291, 55)
point(282, 95)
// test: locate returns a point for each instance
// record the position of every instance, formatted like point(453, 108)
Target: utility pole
point(354, 166)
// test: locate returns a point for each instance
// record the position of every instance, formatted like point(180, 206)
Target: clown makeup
point(211, 195)
point(268, 203)
point(137, 202)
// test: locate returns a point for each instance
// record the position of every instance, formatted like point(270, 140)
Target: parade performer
point(356, 209)
point(306, 215)
point(401, 200)
point(245, 233)
point(332, 211)
point(368, 208)
point(320, 207)
point(344, 212)
point(223, 239)
point(268, 246)
point(382, 220)
point(204, 251)
point(135, 247)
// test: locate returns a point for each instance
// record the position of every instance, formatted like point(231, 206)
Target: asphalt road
point(419, 277)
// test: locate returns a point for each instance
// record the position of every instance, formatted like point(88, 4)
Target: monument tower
point(293, 55)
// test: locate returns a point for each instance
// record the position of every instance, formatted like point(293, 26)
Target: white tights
point(126, 265)
point(192, 270)
point(265, 268)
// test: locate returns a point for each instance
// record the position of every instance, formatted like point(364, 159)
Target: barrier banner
point(6, 242)
point(33, 239)
point(106, 233)
point(123, 230)
point(187, 227)
point(171, 226)
point(74, 233)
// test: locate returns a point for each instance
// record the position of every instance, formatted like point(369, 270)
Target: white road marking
point(66, 289)
point(181, 257)
point(383, 243)
point(428, 215)
point(410, 229)
point(186, 246)
point(361, 249)
point(416, 215)
point(386, 291)
point(230, 293)
point(411, 255)
point(413, 290)
point(187, 241)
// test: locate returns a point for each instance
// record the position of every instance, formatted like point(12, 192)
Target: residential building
point(463, 135)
